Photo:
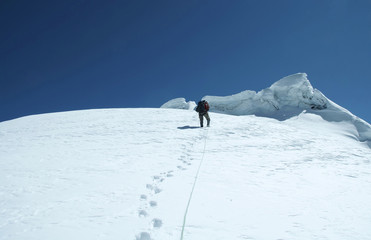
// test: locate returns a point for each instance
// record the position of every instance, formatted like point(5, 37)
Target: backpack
point(202, 106)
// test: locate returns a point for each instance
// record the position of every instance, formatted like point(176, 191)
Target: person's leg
point(201, 119)
point(208, 119)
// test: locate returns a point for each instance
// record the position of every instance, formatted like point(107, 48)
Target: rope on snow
point(193, 187)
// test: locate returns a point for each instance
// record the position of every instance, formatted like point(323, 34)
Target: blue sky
point(71, 55)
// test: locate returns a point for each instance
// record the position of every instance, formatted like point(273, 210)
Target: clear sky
point(76, 54)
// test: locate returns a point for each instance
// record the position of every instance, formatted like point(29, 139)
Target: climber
point(202, 109)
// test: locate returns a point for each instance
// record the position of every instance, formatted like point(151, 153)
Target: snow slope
point(129, 174)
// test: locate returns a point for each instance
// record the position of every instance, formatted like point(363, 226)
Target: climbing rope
point(193, 187)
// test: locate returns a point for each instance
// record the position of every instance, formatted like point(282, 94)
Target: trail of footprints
point(152, 189)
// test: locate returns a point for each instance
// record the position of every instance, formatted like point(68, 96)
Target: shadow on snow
point(187, 127)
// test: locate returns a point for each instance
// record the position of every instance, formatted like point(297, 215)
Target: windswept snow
point(285, 99)
point(128, 174)
point(179, 103)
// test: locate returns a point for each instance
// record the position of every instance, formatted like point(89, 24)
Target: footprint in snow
point(181, 168)
point(158, 178)
point(153, 203)
point(142, 213)
point(157, 190)
point(153, 188)
point(149, 186)
point(156, 223)
point(143, 236)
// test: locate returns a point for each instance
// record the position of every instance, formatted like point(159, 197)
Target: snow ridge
point(286, 98)
point(179, 103)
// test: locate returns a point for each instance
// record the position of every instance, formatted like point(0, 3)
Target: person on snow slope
point(202, 109)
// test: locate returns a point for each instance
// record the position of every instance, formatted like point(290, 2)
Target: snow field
point(262, 182)
point(128, 174)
